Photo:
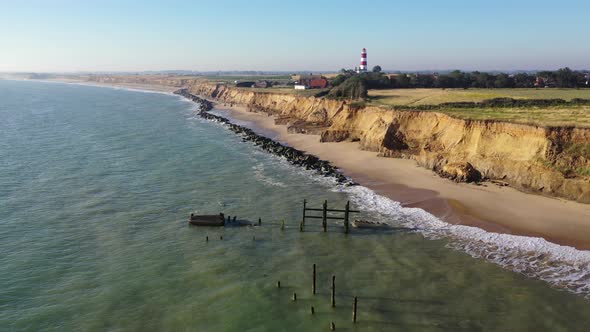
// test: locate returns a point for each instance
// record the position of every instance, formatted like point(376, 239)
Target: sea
point(97, 183)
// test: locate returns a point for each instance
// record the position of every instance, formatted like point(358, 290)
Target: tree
point(523, 80)
point(353, 88)
point(422, 81)
point(377, 69)
point(339, 79)
point(482, 80)
point(444, 81)
point(376, 80)
point(566, 78)
point(401, 81)
point(504, 81)
point(459, 78)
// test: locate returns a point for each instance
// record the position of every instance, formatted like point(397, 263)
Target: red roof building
point(318, 83)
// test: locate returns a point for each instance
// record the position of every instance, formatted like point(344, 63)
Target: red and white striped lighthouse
point(363, 67)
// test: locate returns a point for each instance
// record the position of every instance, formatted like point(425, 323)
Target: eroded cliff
point(551, 161)
point(543, 160)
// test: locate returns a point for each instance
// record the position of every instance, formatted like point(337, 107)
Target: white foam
point(561, 266)
point(260, 176)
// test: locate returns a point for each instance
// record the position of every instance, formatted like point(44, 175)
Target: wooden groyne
point(345, 218)
point(294, 156)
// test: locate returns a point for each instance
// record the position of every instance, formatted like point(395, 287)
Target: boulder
point(460, 172)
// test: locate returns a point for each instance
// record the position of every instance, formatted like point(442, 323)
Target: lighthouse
point(363, 66)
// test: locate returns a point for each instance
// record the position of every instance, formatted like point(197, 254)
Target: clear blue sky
point(111, 35)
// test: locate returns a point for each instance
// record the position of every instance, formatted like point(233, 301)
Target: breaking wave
point(563, 267)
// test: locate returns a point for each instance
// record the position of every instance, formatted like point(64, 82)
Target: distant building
point(245, 84)
point(262, 84)
point(312, 81)
point(300, 87)
point(318, 83)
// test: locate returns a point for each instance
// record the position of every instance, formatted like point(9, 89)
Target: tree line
point(349, 84)
point(562, 78)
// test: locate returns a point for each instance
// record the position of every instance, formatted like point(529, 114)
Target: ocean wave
point(563, 267)
point(260, 176)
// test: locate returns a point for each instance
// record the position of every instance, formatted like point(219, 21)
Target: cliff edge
point(543, 160)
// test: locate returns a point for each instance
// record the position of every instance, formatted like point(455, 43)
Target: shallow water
point(95, 188)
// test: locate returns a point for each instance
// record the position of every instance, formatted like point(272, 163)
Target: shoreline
point(492, 208)
point(128, 86)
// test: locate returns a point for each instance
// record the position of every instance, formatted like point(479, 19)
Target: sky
point(296, 35)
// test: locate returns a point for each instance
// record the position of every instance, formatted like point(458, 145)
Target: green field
point(287, 91)
point(411, 97)
point(254, 78)
point(578, 116)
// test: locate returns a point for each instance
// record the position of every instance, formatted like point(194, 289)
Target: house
point(300, 87)
point(318, 83)
point(312, 81)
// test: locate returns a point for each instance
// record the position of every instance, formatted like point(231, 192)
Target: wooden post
point(303, 220)
point(325, 216)
point(221, 237)
point(312, 309)
point(206, 238)
point(279, 284)
point(282, 225)
point(354, 310)
point(234, 219)
point(259, 221)
point(294, 296)
point(346, 212)
point(332, 297)
point(313, 282)
point(332, 326)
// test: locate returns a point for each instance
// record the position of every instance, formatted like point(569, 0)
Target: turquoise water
point(95, 188)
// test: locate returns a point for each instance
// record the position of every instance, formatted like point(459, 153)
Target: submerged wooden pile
point(332, 297)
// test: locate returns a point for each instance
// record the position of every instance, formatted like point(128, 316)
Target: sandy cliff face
point(530, 158)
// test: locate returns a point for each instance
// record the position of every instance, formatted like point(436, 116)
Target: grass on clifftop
point(410, 97)
point(288, 91)
point(546, 117)
point(253, 78)
point(553, 116)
